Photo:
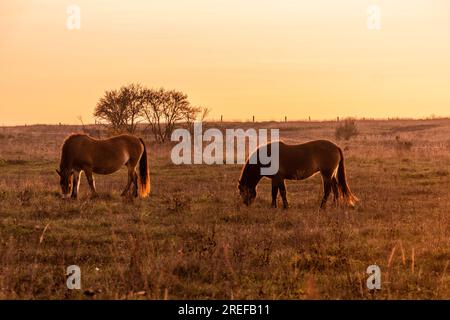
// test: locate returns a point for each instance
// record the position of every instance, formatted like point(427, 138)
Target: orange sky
point(237, 57)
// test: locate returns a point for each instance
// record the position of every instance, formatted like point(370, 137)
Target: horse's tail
point(143, 176)
point(342, 182)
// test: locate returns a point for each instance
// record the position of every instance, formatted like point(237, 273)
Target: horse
point(298, 162)
point(82, 153)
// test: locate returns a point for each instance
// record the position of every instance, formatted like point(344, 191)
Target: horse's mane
point(250, 174)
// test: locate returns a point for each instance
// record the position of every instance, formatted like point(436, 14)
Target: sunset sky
point(238, 57)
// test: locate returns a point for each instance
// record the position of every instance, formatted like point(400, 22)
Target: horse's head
point(65, 181)
point(248, 194)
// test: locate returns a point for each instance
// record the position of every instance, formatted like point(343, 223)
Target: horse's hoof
point(273, 205)
point(94, 196)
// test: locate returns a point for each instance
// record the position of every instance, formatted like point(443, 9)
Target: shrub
point(346, 130)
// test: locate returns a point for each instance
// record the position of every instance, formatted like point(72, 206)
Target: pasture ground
point(193, 239)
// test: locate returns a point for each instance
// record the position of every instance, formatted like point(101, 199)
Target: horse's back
point(128, 138)
point(125, 141)
point(75, 143)
point(122, 147)
point(315, 148)
point(299, 161)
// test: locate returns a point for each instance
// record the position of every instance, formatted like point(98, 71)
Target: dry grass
point(193, 239)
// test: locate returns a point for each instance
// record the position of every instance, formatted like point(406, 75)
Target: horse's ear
point(58, 172)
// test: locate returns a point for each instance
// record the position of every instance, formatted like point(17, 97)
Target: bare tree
point(122, 109)
point(134, 96)
point(109, 109)
point(125, 108)
point(153, 112)
point(165, 110)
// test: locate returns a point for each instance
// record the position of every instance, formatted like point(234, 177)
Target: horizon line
point(336, 119)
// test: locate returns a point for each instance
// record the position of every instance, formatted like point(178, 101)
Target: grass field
point(194, 239)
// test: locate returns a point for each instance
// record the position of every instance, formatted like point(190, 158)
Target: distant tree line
point(162, 110)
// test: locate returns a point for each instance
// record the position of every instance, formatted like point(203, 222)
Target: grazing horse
point(299, 162)
point(81, 152)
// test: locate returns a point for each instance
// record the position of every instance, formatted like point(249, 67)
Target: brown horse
point(299, 162)
point(83, 153)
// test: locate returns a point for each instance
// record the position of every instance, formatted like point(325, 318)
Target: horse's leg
point(335, 188)
point(76, 184)
point(131, 173)
point(274, 193)
point(327, 185)
point(90, 179)
point(135, 185)
point(283, 192)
